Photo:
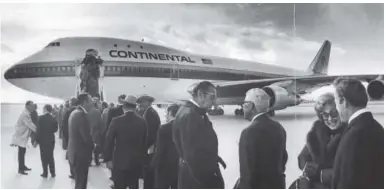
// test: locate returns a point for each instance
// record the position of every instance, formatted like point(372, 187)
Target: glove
point(311, 170)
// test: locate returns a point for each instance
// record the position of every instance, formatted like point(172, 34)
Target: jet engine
point(280, 97)
point(375, 89)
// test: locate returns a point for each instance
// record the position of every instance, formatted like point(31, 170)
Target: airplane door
point(174, 71)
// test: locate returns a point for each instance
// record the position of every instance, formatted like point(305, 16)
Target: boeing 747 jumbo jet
point(133, 67)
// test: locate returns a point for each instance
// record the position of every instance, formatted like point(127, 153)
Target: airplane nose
point(15, 72)
point(9, 73)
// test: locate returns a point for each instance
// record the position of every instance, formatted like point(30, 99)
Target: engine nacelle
point(280, 97)
point(375, 89)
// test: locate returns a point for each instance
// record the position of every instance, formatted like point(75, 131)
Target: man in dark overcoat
point(166, 159)
point(80, 144)
point(153, 124)
point(359, 161)
point(196, 141)
point(45, 137)
point(126, 146)
point(262, 146)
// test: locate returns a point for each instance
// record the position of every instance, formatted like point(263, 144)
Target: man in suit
point(126, 146)
point(34, 117)
point(105, 110)
point(46, 128)
point(23, 129)
point(165, 160)
point(60, 119)
point(96, 124)
point(153, 123)
point(73, 102)
point(359, 161)
point(262, 146)
point(80, 144)
point(115, 112)
point(72, 105)
point(111, 114)
point(196, 141)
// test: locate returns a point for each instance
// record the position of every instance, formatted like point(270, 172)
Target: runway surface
point(296, 121)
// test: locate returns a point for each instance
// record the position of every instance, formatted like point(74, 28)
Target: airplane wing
point(285, 91)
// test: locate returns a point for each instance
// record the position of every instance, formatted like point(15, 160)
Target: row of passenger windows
point(174, 70)
point(131, 69)
point(43, 69)
point(147, 69)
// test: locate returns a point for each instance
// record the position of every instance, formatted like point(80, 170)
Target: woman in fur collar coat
point(316, 159)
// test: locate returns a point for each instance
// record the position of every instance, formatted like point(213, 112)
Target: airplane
point(137, 67)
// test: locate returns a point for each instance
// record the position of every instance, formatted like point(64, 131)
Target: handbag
point(303, 182)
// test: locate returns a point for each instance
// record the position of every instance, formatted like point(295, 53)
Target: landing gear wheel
point(221, 111)
point(239, 112)
point(216, 111)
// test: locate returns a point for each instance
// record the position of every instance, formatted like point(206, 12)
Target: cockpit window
point(57, 44)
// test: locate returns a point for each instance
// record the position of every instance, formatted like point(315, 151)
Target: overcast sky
point(257, 32)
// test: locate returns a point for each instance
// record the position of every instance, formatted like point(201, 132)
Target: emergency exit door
point(174, 71)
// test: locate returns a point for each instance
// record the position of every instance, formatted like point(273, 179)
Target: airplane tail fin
point(319, 65)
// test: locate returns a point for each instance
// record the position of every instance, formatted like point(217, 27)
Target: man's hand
point(311, 170)
point(35, 144)
point(151, 150)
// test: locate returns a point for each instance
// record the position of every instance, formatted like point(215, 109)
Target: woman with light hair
point(316, 160)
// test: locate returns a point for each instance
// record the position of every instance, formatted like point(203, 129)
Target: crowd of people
point(343, 149)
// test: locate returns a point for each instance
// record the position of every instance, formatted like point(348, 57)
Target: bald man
point(262, 146)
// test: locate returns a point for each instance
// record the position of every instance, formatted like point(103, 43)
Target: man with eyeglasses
point(196, 141)
point(262, 146)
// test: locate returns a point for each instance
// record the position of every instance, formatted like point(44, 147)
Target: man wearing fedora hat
point(111, 114)
point(126, 146)
point(153, 124)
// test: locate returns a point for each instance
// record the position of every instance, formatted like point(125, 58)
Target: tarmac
point(296, 121)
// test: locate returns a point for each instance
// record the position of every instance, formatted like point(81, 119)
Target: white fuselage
point(131, 67)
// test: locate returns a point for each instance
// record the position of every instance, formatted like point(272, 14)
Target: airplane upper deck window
point(53, 44)
point(207, 61)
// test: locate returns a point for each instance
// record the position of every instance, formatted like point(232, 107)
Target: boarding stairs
point(98, 83)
